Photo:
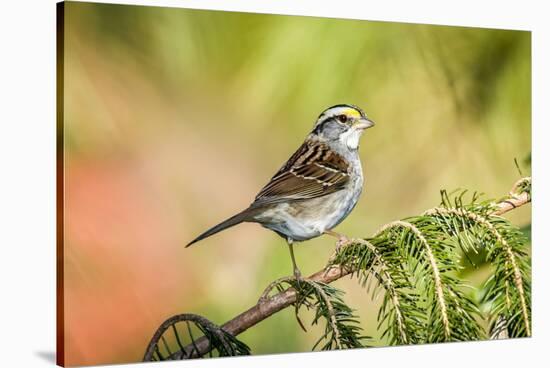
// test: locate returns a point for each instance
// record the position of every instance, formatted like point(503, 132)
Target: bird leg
point(342, 239)
point(297, 273)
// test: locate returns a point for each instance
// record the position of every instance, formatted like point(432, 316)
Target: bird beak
point(363, 124)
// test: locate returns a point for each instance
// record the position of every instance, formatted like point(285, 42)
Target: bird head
point(344, 123)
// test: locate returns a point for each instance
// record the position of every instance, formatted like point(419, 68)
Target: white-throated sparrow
point(317, 187)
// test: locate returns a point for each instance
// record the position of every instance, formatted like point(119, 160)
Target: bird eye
point(342, 118)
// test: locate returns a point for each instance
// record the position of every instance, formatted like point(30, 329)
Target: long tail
point(232, 221)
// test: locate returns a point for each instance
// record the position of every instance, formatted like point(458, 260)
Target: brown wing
point(313, 171)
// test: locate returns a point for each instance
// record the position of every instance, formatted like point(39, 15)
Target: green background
point(175, 118)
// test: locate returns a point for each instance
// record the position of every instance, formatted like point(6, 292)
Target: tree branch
point(266, 307)
point(517, 197)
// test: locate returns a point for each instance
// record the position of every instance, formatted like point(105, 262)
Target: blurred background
point(174, 119)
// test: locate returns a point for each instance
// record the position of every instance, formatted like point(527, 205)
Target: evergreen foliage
point(175, 340)
point(416, 263)
point(342, 328)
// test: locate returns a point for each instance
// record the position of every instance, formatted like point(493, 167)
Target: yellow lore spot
point(352, 112)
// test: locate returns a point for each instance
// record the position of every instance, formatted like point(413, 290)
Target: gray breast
point(354, 191)
point(303, 220)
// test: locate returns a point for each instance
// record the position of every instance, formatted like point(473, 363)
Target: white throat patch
point(351, 138)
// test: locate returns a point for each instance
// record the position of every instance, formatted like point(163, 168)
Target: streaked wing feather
point(312, 171)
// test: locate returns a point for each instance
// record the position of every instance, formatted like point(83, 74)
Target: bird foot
point(298, 277)
point(342, 241)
